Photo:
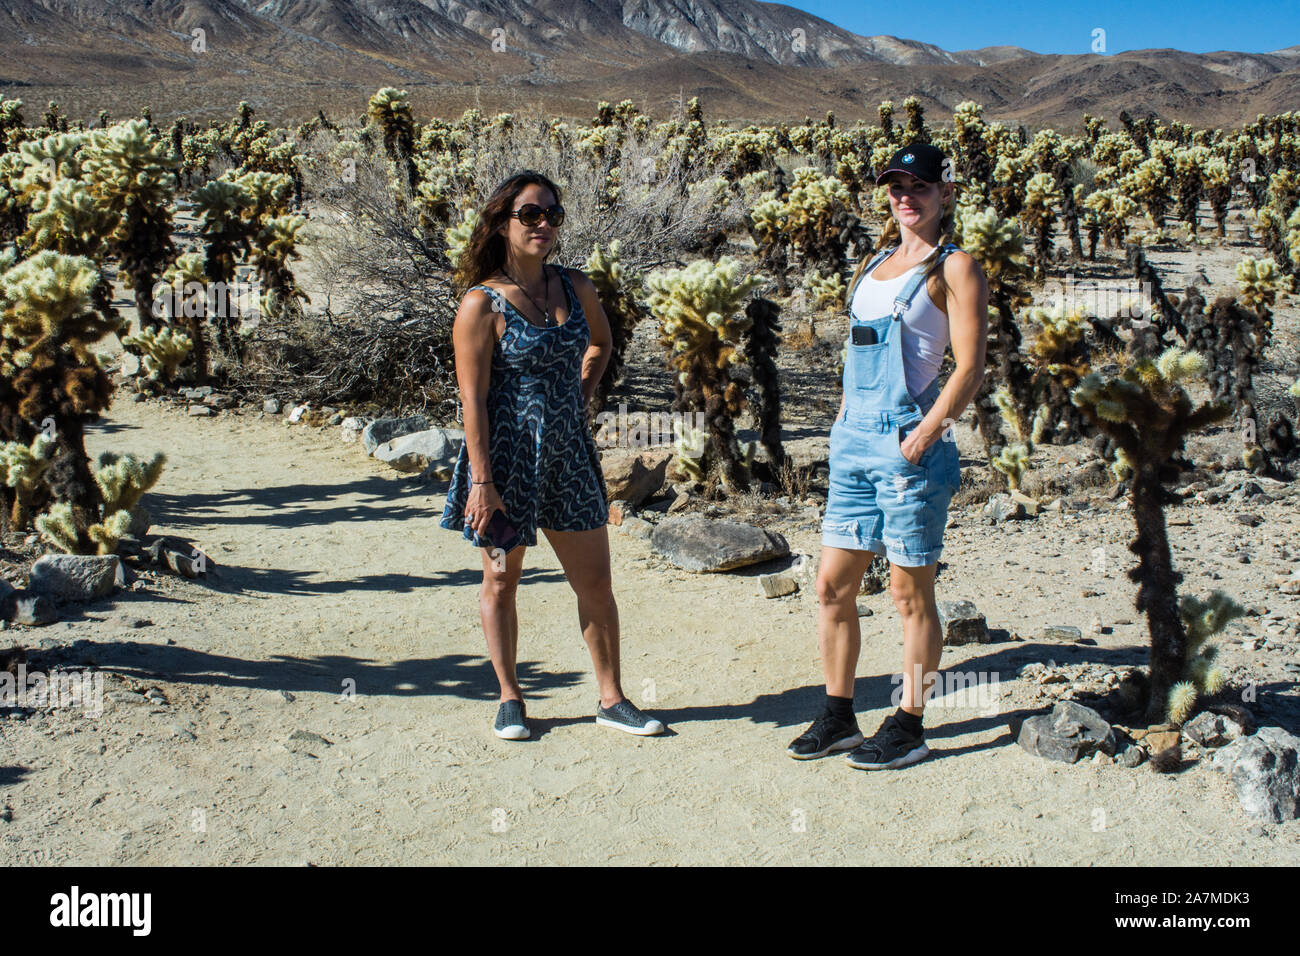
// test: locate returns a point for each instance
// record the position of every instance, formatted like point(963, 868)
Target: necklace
point(547, 321)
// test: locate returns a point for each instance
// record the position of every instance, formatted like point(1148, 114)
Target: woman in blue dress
point(531, 343)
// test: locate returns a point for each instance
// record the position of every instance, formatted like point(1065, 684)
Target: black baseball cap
point(921, 160)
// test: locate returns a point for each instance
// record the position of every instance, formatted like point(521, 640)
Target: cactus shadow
point(12, 775)
point(467, 676)
point(290, 506)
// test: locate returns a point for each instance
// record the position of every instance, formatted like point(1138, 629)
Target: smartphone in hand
point(500, 533)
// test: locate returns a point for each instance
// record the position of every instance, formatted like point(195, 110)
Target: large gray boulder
point(1070, 732)
point(697, 543)
point(1265, 771)
point(75, 577)
point(433, 449)
point(386, 429)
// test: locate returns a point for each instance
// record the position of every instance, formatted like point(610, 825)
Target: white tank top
point(925, 327)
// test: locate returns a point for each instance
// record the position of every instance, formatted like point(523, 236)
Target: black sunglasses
point(530, 214)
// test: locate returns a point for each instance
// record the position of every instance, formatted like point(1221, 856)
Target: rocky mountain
point(749, 59)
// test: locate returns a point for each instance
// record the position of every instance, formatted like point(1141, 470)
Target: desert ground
point(324, 697)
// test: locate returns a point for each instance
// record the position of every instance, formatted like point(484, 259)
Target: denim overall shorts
point(878, 500)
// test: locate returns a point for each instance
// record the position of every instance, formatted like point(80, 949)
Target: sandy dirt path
point(333, 570)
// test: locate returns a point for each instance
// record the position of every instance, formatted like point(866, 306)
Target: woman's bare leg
point(584, 556)
point(913, 592)
point(496, 604)
point(839, 638)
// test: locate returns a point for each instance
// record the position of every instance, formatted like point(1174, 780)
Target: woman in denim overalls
point(893, 461)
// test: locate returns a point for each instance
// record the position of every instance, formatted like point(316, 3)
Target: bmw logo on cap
point(908, 157)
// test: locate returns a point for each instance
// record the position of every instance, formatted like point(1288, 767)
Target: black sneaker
point(510, 724)
point(826, 734)
point(625, 716)
point(889, 748)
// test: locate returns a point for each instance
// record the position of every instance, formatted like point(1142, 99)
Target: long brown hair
point(485, 252)
point(890, 235)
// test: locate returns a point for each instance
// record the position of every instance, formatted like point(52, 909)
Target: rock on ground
point(697, 543)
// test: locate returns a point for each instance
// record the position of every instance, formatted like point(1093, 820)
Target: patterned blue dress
point(544, 460)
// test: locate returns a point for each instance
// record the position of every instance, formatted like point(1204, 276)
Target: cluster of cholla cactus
point(122, 480)
point(1145, 408)
point(703, 321)
point(812, 224)
point(1061, 358)
point(1201, 677)
point(615, 291)
point(130, 173)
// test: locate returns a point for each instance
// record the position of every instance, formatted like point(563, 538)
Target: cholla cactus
point(615, 291)
point(390, 109)
point(826, 291)
point(1150, 185)
point(700, 311)
point(59, 527)
point(1217, 185)
point(129, 171)
point(22, 468)
point(1106, 213)
point(1259, 281)
point(54, 377)
point(123, 479)
point(1041, 198)
point(1013, 460)
point(690, 443)
point(163, 351)
point(1148, 413)
point(1061, 358)
point(1201, 620)
point(996, 243)
point(1189, 178)
point(458, 236)
point(274, 247)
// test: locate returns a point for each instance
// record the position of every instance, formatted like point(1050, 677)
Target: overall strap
point(913, 284)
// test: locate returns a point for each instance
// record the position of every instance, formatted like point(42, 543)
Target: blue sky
point(1198, 26)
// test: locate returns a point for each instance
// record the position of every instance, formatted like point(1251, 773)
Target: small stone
point(287, 696)
point(34, 610)
point(1131, 756)
point(200, 411)
point(1062, 632)
point(271, 406)
point(777, 585)
point(618, 511)
point(636, 527)
point(1212, 730)
point(1068, 734)
point(962, 623)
